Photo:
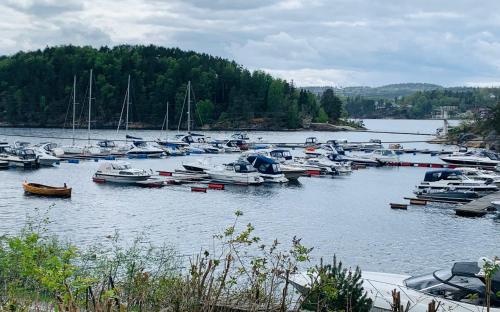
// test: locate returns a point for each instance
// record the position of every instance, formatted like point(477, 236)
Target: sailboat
point(171, 148)
point(73, 149)
point(196, 143)
point(139, 146)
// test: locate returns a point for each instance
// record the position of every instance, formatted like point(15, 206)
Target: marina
point(334, 204)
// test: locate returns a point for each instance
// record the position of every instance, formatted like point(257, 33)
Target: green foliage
point(38, 84)
point(322, 116)
point(331, 104)
point(335, 288)
point(206, 111)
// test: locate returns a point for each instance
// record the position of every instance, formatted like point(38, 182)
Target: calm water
point(349, 216)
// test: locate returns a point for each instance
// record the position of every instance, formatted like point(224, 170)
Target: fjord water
point(348, 216)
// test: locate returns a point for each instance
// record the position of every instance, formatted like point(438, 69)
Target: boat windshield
point(442, 283)
point(121, 166)
point(244, 168)
point(386, 152)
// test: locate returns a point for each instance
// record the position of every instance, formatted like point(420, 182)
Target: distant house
point(482, 112)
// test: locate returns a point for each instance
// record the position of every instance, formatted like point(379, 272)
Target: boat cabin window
point(311, 140)
point(140, 144)
point(244, 168)
point(121, 166)
point(386, 153)
point(125, 173)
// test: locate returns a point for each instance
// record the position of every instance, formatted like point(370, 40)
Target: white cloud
point(341, 42)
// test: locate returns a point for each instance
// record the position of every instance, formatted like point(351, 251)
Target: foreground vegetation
point(39, 272)
point(35, 90)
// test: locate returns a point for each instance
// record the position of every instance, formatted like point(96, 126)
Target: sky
point(312, 42)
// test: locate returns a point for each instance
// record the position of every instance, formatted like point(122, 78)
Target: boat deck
point(478, 207)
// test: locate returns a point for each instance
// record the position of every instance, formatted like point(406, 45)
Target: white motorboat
point(240, 172)
point(120, 172)
point(291, 169)
point(447, 179)
point(199, 165)
point(459, 289)
point(482, 159)
point(478, 174)
point(45, 157)
point(20, 157)
point(143, 148)
point(326, 157)
point(240, 136)
point(108, 147)
point(382, 156)
point(269, 169)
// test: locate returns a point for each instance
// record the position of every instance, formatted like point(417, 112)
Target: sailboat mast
point(128, 104)
point(189, 107)
point(166, 125)
point(90, 103)
point(74, 107)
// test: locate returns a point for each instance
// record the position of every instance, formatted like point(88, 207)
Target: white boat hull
point(121, 179)
point(240, 179)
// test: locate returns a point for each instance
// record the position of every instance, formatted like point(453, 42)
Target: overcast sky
point(313, 42)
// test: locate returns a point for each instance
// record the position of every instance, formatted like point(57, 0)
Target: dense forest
point(36, 89)
point(422, 104)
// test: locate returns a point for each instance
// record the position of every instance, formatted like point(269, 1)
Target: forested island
point(36, 89)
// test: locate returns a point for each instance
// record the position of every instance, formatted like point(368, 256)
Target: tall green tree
point(331, 104)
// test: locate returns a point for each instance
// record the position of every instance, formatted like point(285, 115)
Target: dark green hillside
point(35, 89)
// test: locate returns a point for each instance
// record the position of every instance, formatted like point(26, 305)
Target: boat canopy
point(442, 174)
point(264, 164)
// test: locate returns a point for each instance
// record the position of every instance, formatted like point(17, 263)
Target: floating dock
point(478, 207)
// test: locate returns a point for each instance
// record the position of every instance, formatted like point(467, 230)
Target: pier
point(478, 207)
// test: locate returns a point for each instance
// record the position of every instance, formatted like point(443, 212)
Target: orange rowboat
point(45, 190)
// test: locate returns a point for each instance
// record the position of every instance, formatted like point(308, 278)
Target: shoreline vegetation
point(479, 132)
point(38, 272)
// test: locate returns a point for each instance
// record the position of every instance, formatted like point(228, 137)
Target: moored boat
point(120, 172)
point(46, 190)
point(481, 159)
point(240, 172)
point(447, 179)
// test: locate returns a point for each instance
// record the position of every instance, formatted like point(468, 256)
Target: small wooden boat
point(45, 190)
point(399, 206)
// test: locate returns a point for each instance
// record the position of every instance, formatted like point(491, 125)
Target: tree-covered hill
point(36, 88)
point(386, 92)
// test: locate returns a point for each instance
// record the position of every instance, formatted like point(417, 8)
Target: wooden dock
point(478, 207)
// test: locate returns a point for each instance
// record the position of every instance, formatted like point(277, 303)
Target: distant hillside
point(389, 91)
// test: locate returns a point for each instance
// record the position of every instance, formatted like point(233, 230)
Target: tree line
point(36, 89)
point(422, 104)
